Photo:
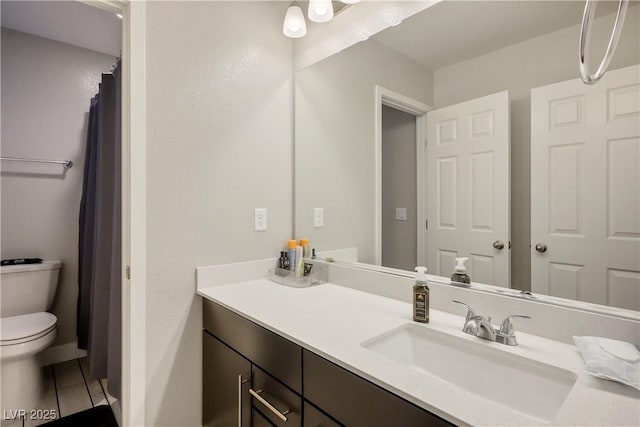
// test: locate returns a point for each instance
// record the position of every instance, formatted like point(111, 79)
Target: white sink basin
point(527, 386)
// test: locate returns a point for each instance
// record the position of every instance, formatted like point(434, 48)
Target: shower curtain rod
point(66, 163)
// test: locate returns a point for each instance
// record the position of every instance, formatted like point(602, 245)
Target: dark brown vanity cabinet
point(255, 378)
point(236, 393)
point(251, 376)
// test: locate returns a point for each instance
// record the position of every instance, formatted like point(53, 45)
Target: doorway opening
point(399, 204)
point(402, 110)
point(131, 18)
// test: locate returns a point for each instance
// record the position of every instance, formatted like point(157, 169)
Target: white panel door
point(585, 189)
point(468, 188)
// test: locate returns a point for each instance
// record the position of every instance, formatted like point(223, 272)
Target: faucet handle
point(470, 311)
point(507, 327)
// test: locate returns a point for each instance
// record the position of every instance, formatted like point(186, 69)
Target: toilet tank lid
point(25, 325)
point(21, 268)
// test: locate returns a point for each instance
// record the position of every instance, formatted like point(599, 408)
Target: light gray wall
point(399, 238)
point(46, 90)
point(219, 144)
point(335, 134)
point(519, 68)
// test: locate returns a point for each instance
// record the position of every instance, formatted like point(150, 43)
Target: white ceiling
point(338, 7)
point(453, 31)
point(68, 22)
point(492, 25)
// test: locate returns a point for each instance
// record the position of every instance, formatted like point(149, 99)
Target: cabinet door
point(225, 384)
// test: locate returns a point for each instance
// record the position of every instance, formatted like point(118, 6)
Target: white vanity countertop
point(332, 321)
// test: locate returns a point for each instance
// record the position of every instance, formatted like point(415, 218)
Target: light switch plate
point(401, 214)
point(318, 217)
point(260, 219)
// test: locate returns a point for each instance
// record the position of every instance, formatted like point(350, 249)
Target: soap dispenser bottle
point(460, 274)
point(421, 296)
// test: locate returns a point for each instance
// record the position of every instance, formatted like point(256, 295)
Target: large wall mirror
point(465, 131)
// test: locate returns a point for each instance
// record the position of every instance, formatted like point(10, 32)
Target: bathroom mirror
point(425, 143)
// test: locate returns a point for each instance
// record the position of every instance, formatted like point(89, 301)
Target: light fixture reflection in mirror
point(294, 25)
point(320, 10)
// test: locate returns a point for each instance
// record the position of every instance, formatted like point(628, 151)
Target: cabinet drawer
point(276, 355)
point(271, 392)
point(314, 418)
point(258, 420)
point(355, 401)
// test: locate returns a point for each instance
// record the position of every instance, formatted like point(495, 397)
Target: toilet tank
point(28, 288)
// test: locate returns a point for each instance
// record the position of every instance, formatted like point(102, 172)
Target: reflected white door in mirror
point(585, 212)
point(468, 188)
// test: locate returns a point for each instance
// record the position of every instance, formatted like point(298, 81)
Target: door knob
point(541, 247)
point(498, 244)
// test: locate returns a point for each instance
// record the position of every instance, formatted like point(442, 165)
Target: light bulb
point(294, 25)
point(350, 1)
point(320, 10)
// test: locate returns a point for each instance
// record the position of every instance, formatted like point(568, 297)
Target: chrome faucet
point(482, 327)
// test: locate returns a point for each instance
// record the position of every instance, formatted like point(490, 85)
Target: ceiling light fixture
point(294, 24)
point(320, 10)
point(350, 1)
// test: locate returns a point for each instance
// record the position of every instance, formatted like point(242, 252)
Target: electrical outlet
point(318, 217)
point(401, 214)
point(260, 219)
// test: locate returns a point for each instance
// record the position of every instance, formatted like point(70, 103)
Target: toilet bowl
point(22, 338)
point(26, 329)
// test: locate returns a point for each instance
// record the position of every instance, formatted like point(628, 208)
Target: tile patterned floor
point(70, 389)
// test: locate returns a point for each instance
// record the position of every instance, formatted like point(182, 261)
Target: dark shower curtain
point(99, 248)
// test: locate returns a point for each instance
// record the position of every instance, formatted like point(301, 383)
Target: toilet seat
point(26, 327)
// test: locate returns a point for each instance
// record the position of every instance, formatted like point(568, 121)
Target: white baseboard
point(61, 353)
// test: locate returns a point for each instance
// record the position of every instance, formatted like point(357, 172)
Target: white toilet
point(26, 329)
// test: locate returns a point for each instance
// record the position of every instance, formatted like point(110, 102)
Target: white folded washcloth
point(610, 359)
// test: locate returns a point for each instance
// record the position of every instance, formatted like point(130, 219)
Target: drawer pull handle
point(240, 382)
point(269, 406)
